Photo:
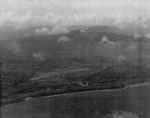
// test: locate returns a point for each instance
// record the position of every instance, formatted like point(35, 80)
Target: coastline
point(75, 92)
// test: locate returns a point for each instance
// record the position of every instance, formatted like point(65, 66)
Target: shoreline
point(87, 91)
point(75, 92)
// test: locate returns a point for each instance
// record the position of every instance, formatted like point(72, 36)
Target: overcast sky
point(42, 15)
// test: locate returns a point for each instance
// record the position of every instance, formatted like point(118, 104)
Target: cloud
point(53, 31)
point(136, 36)
point(59, 30)
point(13, 46)
point(122, 114)
point(43, 31)
point(105, 40)
point(121, 58)
point(106, 48)
point(131, 48)
point(147, 35)
point(22, 15)
point(82, 30)
point(16, 47)
point(63, 39)
point(24, 22)
point(14, 20)
point(39, 56)
point(26, 34)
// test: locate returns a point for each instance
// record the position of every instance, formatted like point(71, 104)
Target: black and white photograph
point(74, 58)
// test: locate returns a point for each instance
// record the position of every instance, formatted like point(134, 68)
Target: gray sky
point(22, 15)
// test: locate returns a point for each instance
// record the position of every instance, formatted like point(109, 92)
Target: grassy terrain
point(66, 80)
point(40, 65)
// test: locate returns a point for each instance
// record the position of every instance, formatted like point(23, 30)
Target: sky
point(48, 17)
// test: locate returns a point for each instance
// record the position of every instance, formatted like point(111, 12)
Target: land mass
point(96, 58)
point(87, 78)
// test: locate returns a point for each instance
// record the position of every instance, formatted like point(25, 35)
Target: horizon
point(33, 17)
